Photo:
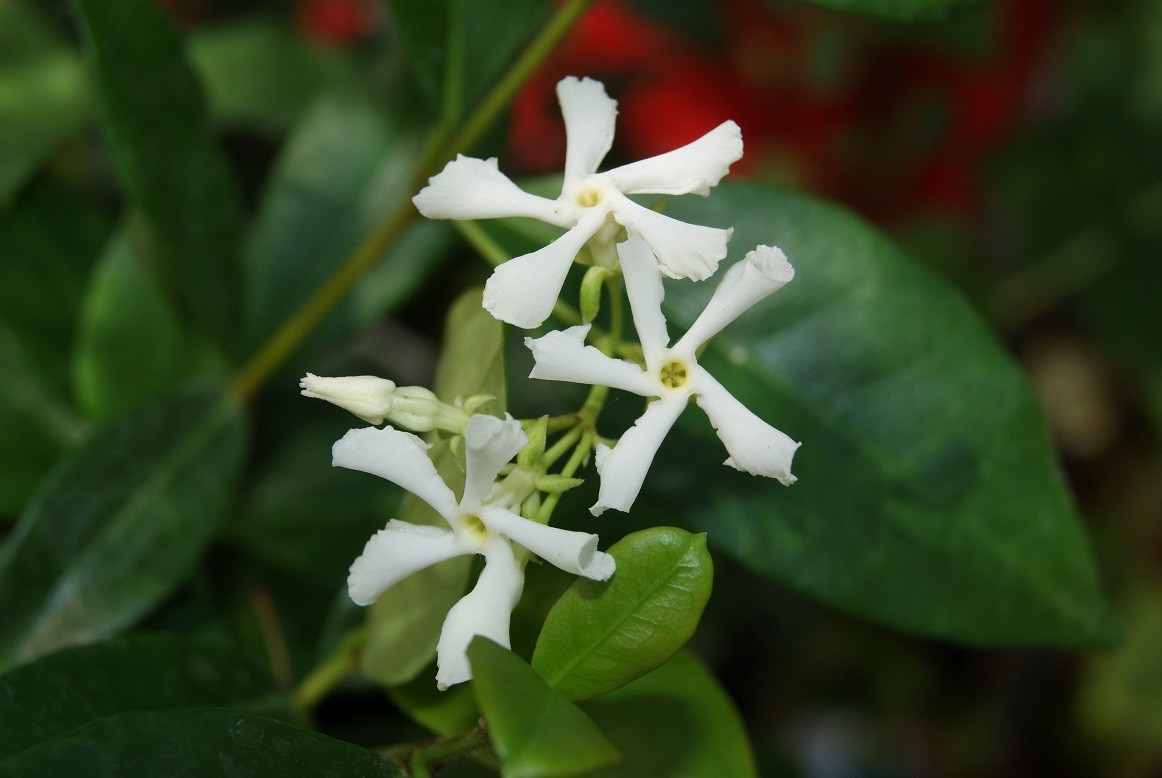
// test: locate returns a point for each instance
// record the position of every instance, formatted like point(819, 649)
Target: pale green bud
point(591, 285)
point(530, 455)
point(368, 397)
point(555, 484)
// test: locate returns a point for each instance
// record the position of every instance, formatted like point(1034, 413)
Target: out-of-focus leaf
point(534, 730)
point(308, 518)
point(340, 173)
point(443, 712)
point(162, 144)
point(677, 721)
point(928, 496)
point(118, 524)
point(130, 345)
point(38, 425)
point(404, 623)
point(458, 48)
point(49, 243)
point(195, 742)
point(602, 635)
point(42, 94)
point(261, 74)
point(80, 685)
point(901, 10)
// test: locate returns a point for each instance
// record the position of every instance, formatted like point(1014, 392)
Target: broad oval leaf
point(118, 524)
point(676, 721)
point(195, 742)
point(534, 730)
point(601, 635)
point(928, 496)
point(162, 144)
point(130, 341)
point(404, 624)
point(80, 685)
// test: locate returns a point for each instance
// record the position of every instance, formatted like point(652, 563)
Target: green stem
point(339, 666)
point(558, 449)
point(250, 378)
point(449, 749)
point(571, 467)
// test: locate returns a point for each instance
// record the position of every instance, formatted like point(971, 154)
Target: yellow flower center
point(673, 374)
point(474, 528)
point(589, 197)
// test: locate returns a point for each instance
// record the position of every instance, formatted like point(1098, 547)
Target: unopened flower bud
point(419, 410)
point(531, 454)
point(368, 397)
point(555, 484)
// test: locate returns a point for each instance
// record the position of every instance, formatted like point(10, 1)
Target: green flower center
point(673, 374)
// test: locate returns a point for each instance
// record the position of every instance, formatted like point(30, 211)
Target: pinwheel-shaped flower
point(672, 374)
point(478, 525)
point(522, 291)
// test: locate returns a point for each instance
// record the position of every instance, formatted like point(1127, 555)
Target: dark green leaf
point(602, 635)
point(118, 524)
point(928, 496)
point(129, 348)
point(194, 743)
point(404, 623)
point(42, 94)
point(534, 730)
point(79, 685)
point(308, 518)
point(38, 425)
point(162, 144)
point(443, 712)
point(677, 721)
point(49, 243)
point(901, 10)
point(261, 74)
point(341, 172)
point(459, 48)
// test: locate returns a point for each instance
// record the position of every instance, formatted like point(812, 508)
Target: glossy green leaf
point(677, 721)
point(340, 173)
point(444, 712)
point(262, 74)
point(928, 496)
point(901, 10)
point(602, 635)
point(118, 524)
point(458, 48)
point(42, 94)
point(404, 623)
point(160, 137)
point(130, 345)
point(195, 742)
point(80, 685)
point(534, 730)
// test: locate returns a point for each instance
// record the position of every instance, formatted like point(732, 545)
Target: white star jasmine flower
point(672, 374)
point(480, 523)
point(522, 291)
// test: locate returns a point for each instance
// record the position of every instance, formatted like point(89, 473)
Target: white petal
point(471, 188)
point(489, 444)
point(401, 458)
point(754, 446)
point(522, 291)
point(765, 270)
point(590, 115)
point(562, 355)
point(573, 552)
point(623, 468)
point(643, 284)
point(692, 169)
point(683, 250)
point(486, 610)
point(394, 553)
